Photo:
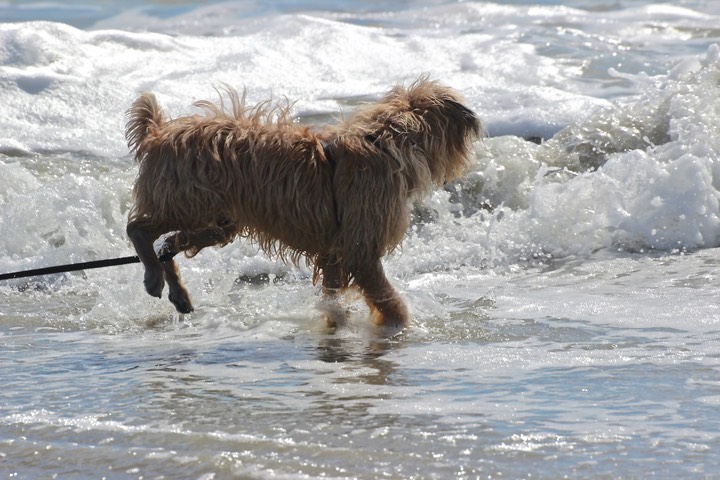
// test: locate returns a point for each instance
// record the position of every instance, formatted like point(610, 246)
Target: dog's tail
point(144, 116)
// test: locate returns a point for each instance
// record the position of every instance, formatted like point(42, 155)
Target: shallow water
point(563, 294)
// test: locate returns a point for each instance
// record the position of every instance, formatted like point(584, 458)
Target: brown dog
point(338, 196)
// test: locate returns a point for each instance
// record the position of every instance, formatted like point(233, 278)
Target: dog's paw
point(394, 321)
point(154, 282)
point(181, 300)
point(334, 316)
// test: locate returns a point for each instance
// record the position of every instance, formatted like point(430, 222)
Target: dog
point(338, 196)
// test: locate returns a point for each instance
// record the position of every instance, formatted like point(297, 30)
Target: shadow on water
point(368, 356)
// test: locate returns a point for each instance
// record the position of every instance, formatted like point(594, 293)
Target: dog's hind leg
point(142, 234)
point(193, 242)
point(189, 242)
point(177, 293)
point(386, 306)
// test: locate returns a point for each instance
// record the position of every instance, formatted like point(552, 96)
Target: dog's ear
point(464, 116)
point(439, 106)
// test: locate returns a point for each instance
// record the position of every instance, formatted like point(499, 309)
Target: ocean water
point(563, 294)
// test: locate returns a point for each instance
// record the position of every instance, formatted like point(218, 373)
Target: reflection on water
point(519, 393)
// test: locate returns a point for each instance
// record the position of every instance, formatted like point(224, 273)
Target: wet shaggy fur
point(338, 196)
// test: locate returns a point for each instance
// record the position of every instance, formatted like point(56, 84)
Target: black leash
point(165, 255)
point(72, 267)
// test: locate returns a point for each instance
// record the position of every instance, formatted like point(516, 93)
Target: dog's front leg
point(334, 280)
point(142, 235)
point(386, 306)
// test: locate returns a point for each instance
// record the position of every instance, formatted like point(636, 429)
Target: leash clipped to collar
point(73, 267)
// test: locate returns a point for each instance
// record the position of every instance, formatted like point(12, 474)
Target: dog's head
point(426, 122)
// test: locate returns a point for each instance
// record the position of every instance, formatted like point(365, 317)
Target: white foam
point(67, 89)
point(645, 173)
point(635, 172)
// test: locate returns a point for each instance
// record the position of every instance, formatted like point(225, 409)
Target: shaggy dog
point(337, 196)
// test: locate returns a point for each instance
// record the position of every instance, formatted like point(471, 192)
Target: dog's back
point(254, 168)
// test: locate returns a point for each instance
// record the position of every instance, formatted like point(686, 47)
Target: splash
point(639, 175)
